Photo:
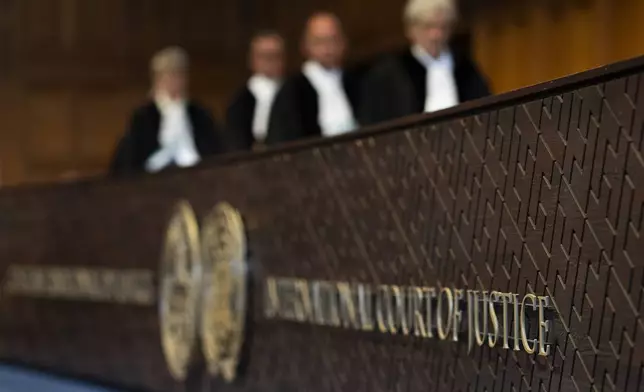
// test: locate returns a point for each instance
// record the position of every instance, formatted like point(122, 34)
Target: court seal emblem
point(180, 290)
point(225, 290)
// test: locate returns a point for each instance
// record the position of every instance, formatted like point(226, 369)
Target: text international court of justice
point(324, 196)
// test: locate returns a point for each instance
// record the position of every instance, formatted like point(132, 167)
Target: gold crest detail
point(224, 306)
point(180, 289)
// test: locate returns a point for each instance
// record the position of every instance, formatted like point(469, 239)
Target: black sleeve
point(352, 82)
point(294, 114)
point(209, 134)
point(239, 122)
point(476, 85)
point(124, 159)
point(285, 122)
point(480, 85)
point(374, 105)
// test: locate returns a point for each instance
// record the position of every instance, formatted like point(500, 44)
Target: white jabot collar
point(175, 136)
point(264, 89)
point(335, 114)
point(441, 86)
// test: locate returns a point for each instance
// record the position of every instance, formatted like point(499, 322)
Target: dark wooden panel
point(12, 113)
point(537, 191)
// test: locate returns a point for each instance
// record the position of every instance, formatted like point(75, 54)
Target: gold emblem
point(179, 290)
point(224, 306)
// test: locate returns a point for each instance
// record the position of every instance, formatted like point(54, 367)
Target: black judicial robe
point(295, 110)
point(141, 139)
point(239, 120)
point(396, 87)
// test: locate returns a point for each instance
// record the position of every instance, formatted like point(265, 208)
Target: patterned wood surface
point(536, 191)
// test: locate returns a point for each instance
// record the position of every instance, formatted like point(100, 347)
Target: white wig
point(169, 59)
point(419, 10)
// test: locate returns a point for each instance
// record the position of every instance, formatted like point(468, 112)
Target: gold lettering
point(515, 322)
point(504, 300)
point(84, 281)
point(15, 281)
point(458, 296)
point(304, 309)
point(544, 349)
point(444, 329)
point(109, 279)
point(480, 337)
point(384, 311)
point(348, 314)
point(380, 312)
point(522, 321)
point(145, 288)
point(39, 281)
point(334, 309)
point(126, 286)
point(406, 310)
point(430, 294)
point(318, 311)
point(58, 282)
point(366, 307)
point(324, 313)
point(271, 299)
point(416, 294)
point(492, 338)
point(285, 299)
point(401, 312)
point(471, 315)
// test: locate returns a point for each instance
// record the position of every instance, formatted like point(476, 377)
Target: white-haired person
point(426, 77)
point(169, 130)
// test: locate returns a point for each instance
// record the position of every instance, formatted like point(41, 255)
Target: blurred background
point(72, 70)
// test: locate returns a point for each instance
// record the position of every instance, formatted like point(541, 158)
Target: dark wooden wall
point(71, 70)
point(519, 43)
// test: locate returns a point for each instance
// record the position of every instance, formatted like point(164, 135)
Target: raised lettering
point(544, 326)
point(334, 309)
point(504, 300)
point(366, 307)
point(480, 336)
point(471, 316)
point(444, 322)
point(348, 314)
point(515, 322)
point(430, 294)
point(303, 309)
point(417, 295)
point(493, 337)
point(458, 315)
point(318, 311)
point(401, 311)
point(384, 311)
point(522, 321)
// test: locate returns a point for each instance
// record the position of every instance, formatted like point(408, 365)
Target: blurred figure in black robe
point(321, 99)
point(426, 77)
point(168, 130)
point(249, 112)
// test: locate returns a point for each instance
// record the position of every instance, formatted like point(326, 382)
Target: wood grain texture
point(536, 191)
point(79, 67)
point(551, 39)
point(90, 58)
